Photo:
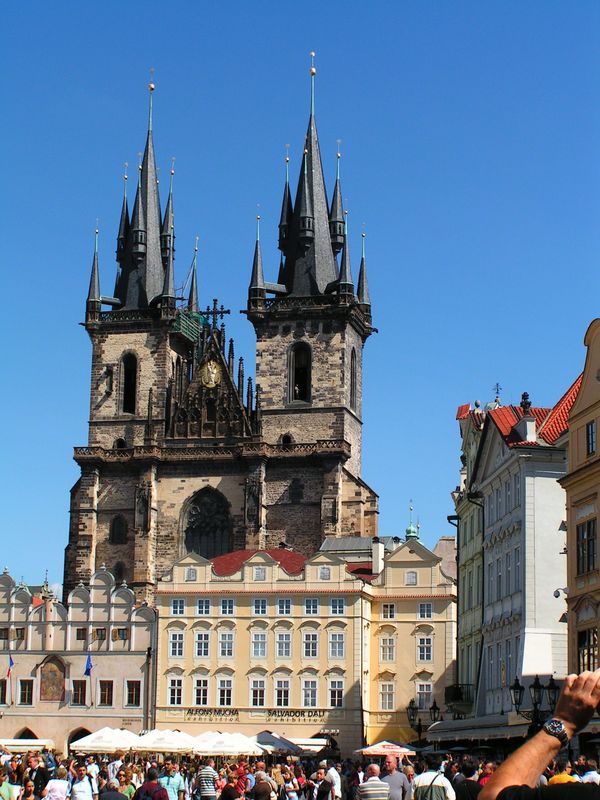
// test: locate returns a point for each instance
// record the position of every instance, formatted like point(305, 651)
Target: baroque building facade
point(184, 455)
point(336, 644)
point(69, 670)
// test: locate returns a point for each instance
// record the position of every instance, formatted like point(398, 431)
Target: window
point(499, 664)
point(100, 634)
point(175, 691)
point(498, 503)
point(424, 648)
point(2, 691)
point(353, 379)
point(479, 586)
point(106, 693)
point(311, 645)
point(411, 578)
point(508, 571)
point(178, 607)
point(388, 611)
point(509, 666)
point(284, 607)
point(129, 371)
point(336, 645)
point(517, 488)
point(587, 649)
point(311, 606)
point(260, 607)
point(590, 438)
point(490, 670)
point(227, 607)
point(499, 579)
point(586, 546)
point(202, 644)
point(78, 693)
point(26, 693)
point(299, 375)
point(260, 573)
point(120, 634)
point(309, 693)
point(282, 693)
point(191, 574)
point(134, 693)
point(386, 697)
point(81, 634)
point(490, 582)
point(259, 644)
point(338, 607)
point(424, 695)
point(507, 497)
point(324, 573)
point(489, 508)
point(336, 693)
point(257, 692)
point(226, 644)
point(225, 686)
point(387, 648)
point(176, 644)
point(201, 692)
point(517, 569)
point(203, 607)
point(469, 589)
point(118, 530)
point(425, 610)
point(284, 645)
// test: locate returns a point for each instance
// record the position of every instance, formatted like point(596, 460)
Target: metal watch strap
point(555, 727)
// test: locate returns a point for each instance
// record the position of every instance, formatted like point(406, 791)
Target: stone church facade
point(186, 454)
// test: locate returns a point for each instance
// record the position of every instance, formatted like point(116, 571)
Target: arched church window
point(118, 530)
point(287, 439)
point(353, 380)
point(299, 372)
point(129, 383)
point(208, 527)
point(120, 444)
point(119, 572)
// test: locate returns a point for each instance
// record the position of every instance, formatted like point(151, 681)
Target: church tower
point(183, 455)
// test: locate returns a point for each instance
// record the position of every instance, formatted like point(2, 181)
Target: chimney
point(525, 427)
point(378, 551)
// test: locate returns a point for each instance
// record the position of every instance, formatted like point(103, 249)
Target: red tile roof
point(463, 411)
point(37, 601)
point(362, 570)
point(291, 561)
point(558, 420)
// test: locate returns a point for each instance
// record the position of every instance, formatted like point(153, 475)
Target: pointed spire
point(363, 286)
point(287, 209)
point(306, 215)
point(346, 285)
point(167, 232)
point(193, 296)
point(93, 298)
point(336, 214)
point(231, 359)
point(240, 386)
point(138, 222)
point(256, 290)
point(123, 222)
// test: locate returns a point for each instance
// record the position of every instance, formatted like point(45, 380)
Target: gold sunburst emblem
point(210, 374)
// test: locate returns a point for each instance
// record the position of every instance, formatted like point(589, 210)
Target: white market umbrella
point(106, 740)
point(166, 741)
point(228, 744)
point(274, 743)
point(386, 748)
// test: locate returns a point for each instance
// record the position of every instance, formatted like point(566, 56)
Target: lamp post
point(536, 716)
point(414, 720)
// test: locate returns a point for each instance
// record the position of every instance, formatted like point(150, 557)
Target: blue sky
point(470, 138)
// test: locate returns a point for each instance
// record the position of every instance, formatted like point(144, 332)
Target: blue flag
point(88, 665)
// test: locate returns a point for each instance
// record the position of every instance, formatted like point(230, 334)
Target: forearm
point(528, 763)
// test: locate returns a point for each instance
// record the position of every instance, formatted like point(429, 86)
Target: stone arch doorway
point(26, 733)
point(77, 734)
point(208, 525)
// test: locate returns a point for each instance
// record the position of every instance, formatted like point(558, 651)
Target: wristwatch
point(555, 727)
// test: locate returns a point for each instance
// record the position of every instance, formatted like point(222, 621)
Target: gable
point(589, 393)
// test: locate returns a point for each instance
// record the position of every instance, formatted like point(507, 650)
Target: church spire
point(346, 285)
point(256, 290)
point(123, 223)
point(336, 214)
point(286, 208)
point(363, 286)
point(193, 296)
point(167, 231)
point(309, 261)
point(93, 298)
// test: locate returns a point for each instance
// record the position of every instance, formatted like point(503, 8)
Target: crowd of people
point(536, 771)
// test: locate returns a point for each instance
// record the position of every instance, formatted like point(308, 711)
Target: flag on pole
point(11, 664)
point(88, 665)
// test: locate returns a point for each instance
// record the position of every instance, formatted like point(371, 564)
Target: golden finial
point(313, 69)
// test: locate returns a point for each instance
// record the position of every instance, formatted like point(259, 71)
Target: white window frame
point(424, 695)
point(225, 692)
point(202, 638)
point(203, 606)
point(174, 690)
point(178, 607)
point(282, 692)
point(284, 606)
point(387, 696)
point(227, 606)
point(258, 691)
point(201, 689)
point(411, 577)
point(259, 644)
point(387, 648)
point(176, 644)
point(337, 644)
point(338, 606)
point(260, 573)
point(425, 648)
point(226, 644)
point(311, 606)
point(388, 611)
point(260, 607)
point(336, 685)
point(425, 610)
point(310, 693)
point(283, 644)
point(310, 644)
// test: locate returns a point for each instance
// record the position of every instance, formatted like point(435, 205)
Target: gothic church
point(184, 454)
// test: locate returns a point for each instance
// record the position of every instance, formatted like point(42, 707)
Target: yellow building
point(328, 645)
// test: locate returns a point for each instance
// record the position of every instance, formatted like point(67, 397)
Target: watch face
point(555, 728)
point(210, 374)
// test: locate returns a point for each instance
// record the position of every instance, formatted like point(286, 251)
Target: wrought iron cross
point(216, 312)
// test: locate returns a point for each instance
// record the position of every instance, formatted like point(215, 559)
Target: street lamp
point(414, 720)
point(434, 712)
point(536, 691)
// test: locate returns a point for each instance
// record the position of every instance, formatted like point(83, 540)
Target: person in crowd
point(38, 774)
point(486, 772)
point(250, 781)
point(111, 791)
point(83, 786)
point(409, 771)
point(240, 785)
point(151, 788)
point(591, 772)
point(230, 792)
point(28, 790)
point(4, 785)
point(92, 767)
point(333, 776)
point(372, 787)
point(469, 788)
point(172, 781)
point(115, 765)
point(262, 786)
point(345, 786)
point(124, 783)
point(431, 784)
point(517, 777)
point(206, 781)
point(563, 773)
point(400, 788)
point(290, 784)
point(57, 788)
